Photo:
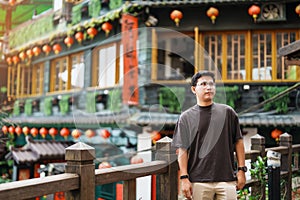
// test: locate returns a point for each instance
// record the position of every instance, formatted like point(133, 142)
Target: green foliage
point(28, 107)
point(227, 95)
point(94, 8)
point(76, 14)
point(281, 105)
point(91, 102)
point(22, 35)
point(16, 108)
point(115, 100)
point(3, 89)
point(113, 4)
point(64, 104)
point(172, 98)
point(259, 172)
point(48, 106)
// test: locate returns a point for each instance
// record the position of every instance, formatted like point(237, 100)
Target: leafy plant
point(94, 8)
point(64, 104)
point(76, 14)
point(48, 106)
point(28, 107)
point(115, 100)
point(281, 104)
point(91, 102)
point(16, 108)
point(227, 95)
point(259, 172)
point(172, 98)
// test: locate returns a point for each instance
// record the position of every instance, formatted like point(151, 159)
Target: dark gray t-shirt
point(209, 134)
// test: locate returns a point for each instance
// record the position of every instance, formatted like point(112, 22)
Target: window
point(38, 78)
point(175, 58)
point(108, 68)
point(67, 73)
point(285, 72)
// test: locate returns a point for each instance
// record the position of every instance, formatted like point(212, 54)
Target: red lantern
point(212, 13)
point(68, 41)
point(92, 32)
point(276, 133)
point(105, 133)
point(297, 10)
point(107, 27)
point(43, 132)
point(104, 165)
point(4, 129)
point(176, 16)
point(79, 37)
point(89, 133)
point(34, 132)
point(16, 59)
point(9, 60)
point(29, 53)
point(18, 130)
point(76, 133)
point(26, 130)
point(254, 11)
point(56, 48)
point(136, 160)
point(22, 55)
point(155, 136)
point(11, 130)
point(36, 51)
point(46, 49)
point(53, 132)
point(65, 132)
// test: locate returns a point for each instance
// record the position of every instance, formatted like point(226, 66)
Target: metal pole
point(274, 174)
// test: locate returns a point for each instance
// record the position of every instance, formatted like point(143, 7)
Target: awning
point(257, 119)
point(34, 151)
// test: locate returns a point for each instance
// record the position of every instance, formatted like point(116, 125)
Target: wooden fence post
point(167, 184)
point(258, 143)
point(286, 162)
point(80, 160)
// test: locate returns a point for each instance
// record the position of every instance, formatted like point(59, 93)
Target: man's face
point(205, 89)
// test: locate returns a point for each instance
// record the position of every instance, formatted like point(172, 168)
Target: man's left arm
point(240, 154)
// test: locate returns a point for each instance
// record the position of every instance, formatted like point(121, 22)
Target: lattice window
point(213, 61)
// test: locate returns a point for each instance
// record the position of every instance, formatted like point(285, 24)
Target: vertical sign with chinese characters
point(129, 40)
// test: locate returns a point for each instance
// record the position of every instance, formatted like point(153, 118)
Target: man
point(206, 137)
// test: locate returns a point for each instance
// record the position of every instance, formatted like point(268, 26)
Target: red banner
point(129, 39)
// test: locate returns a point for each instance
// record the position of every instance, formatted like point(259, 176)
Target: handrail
point(39, 186)
point(128, 172)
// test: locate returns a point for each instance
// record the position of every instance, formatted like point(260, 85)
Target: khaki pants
point(215, 191)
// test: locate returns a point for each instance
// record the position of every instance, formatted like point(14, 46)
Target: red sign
point(129, 39)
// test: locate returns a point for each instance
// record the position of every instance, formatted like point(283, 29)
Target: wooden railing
point(81, 177)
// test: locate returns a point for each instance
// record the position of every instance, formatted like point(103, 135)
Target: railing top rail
point(127, 172)
point(39, 186)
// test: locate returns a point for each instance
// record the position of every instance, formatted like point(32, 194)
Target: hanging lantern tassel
point(212, 13)
point(176, 16)
point(297, 10)
point(254, 11)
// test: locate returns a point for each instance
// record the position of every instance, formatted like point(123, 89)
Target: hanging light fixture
point(212, 13)
point(46, 49)
point(68, 41)
point(176, 16)
point(36, 51)
point(9, 60)
point(56, 48)
point(297, 10)
point(107, 27)
point(254, 11)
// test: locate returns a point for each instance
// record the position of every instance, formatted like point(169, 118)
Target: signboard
point(129, 40)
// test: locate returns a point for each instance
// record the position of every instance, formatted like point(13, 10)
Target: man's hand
point(241, 180)
point(186, 188)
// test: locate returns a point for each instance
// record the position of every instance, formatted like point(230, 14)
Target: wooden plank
point(128, 172)
point(129, 190)
point(39, 186)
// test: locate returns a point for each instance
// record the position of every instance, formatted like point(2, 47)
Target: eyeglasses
point(205, 84)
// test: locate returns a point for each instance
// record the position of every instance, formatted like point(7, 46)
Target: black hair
point(199, 75)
